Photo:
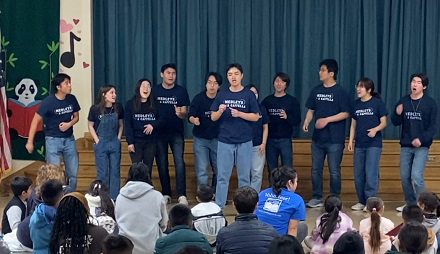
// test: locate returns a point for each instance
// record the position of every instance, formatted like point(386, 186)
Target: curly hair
point(47, 172)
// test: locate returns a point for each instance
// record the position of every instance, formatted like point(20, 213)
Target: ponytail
point(97, 188)
point(279, 178)
point(375, 240)
point(330, 220)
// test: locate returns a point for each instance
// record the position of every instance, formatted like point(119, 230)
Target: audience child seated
point(281, 207)
point(285, 244)
point(192, 250)
point(373, 230)
point(44, 173)
point(141, 213)
point(413, 238)
point(73, 232)
point(329, 227)
point(349, 242)
point(35, 231)
point(15, 210)
point(208, 216)
point(101, 206)
point(247, 234)
point(429, 203)
point(117, 244)
point(181, 234)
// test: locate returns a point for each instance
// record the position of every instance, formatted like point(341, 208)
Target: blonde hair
point(48, 172)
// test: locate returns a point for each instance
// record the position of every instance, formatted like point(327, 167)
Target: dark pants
point(177, 145)
point(279, 147)
point(144, 151)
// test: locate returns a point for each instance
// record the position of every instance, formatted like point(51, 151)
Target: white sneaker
point(183, 200)
point(365, 209)
point(400, 208)
point(167, 199)
point(358, 207)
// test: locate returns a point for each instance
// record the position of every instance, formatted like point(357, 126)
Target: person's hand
point(235, 113)
point(321, 123)
point(416, 142)
point(372, 132)
point(222, 108)
point(64, 126)
point(131, 148)
point(399, 109)
point(30, 147)
point(196, 121)
point(306, 127)
point(96, 141)
point(148, 129)
point(350, 146)
point(283, 114)
point(178, 110)
point(262, 149)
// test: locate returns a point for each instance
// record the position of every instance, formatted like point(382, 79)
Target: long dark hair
point(368, 84)
point(137, 96)
point(280, 177)
point(69, 233)
point(374, 205)
point(97, 188)
point(100, 99)
point(330, 220)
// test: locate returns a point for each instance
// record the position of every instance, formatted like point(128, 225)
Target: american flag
point(5, 140)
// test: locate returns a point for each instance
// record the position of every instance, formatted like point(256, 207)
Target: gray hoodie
point(141, 215)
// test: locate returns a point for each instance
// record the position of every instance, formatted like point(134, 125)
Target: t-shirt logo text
point(414, 115)
point(167, 100)
point(324, 97)
point(364, 112)
point(65, 110)
point(235, 103)
point(144, 117)
point(275, 111)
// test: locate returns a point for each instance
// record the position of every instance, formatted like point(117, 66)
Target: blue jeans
point(334, 154)
point(227, 156)
point(366, 172)
point(108, 164)
point(279, 147)
point(412, 168)
point(177, 145)
point(257, 167)
point(65, 147)
point(205, 155)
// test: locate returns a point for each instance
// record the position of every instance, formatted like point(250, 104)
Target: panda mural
point(23, 109)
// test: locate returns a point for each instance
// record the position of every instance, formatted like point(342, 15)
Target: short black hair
point(117, 244)
point(412, 213)
point(413, 237)
point(139, 172)
point(205, 193)
point(284, 77)
point(234, 65)
point(429, 200)
point(422, 76)
point(217, 76)
point(58, 79)
point(168, 65)
point(332, 66)
point(192, 249)
point(51, 192)
point(20, 184)
point(285, 244)
point(180, 214)
point(245, 199)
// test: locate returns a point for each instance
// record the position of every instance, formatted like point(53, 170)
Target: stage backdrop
point(384, 40)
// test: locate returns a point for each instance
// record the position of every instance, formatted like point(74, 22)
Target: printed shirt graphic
point(279, 210)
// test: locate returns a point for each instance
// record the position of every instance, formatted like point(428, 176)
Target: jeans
point(334, 154)
point(108, 164)
point(227, 156)
point(144, 151)
point(412, 168)
point(66, 147)
point(177, 145)
point(279, 147)
point(205, 155)
point(366, 172)
point(257, 168)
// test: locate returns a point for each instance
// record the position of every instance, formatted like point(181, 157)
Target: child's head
point(204, 193)
point(245, 199)
point(375, 204)
point(412, 213)
point(47, 172)
point(328, 69)
point(283, 178)
point(429, 202)
point(97, 188)
point(180, 215)
point(348, 243)
point(117, 244)
point(375, 207)
point(139, 172)
point(331, 203)
point(413, 237)
point(52, 192)
point(331, 218)
point(285, 244)
point(21, 187)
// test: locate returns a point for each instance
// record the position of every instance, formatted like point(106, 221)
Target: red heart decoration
point(76, 21)
point(85, 65)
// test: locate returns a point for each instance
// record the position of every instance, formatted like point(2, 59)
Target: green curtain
point(30, 35)
point(384, 40)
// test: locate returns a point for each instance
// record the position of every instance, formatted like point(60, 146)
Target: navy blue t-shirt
point(257, 128)
point(56, 111)
point(329, 101)
point(235, 130)
point(201, 108)
point(167, 99)
point(95, 114)
point(367, 115)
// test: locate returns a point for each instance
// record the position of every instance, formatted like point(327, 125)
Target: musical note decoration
point(68, 58)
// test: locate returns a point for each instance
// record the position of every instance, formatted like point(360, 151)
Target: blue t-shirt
point(278, 211)
point(235, 130)
point(329, 101)
point(167, 99)
point(367, 115)
point(257, 128)
point(56, 111)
